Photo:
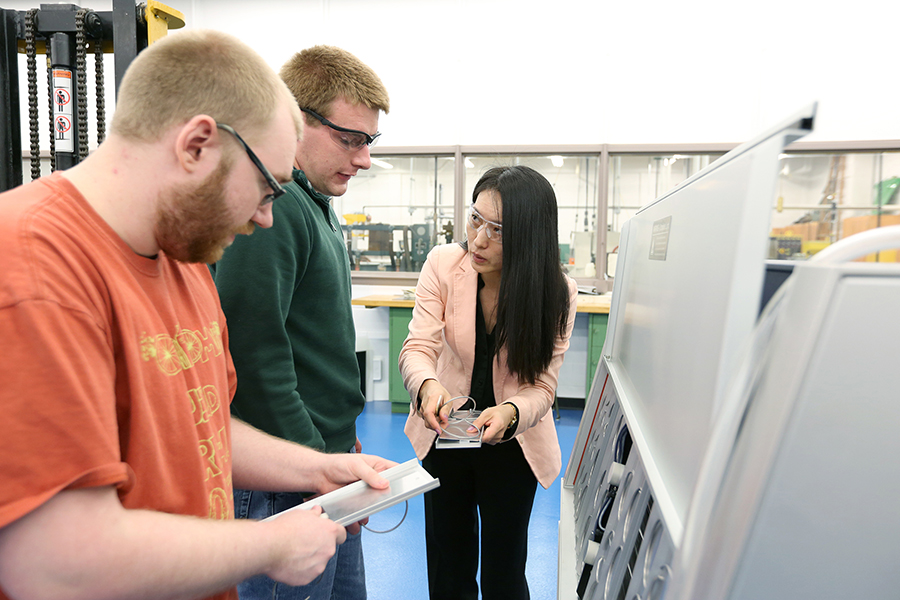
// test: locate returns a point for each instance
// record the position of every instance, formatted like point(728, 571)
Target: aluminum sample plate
point(357, 500)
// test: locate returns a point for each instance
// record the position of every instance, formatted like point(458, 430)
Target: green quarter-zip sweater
point(285, 292)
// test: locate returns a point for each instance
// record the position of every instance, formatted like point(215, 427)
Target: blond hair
point(319, 75)
point(197, 72)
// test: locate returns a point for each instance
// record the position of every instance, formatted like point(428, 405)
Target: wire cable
point(459, 417)
point(403, 518)
point(620, 444)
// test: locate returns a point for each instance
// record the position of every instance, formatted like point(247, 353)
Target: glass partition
point(824, 197)
point(395, 212)
point(574, 178)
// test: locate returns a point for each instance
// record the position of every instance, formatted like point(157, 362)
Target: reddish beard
point(194, 226)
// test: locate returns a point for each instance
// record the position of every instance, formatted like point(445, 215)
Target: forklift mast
point(63, 33)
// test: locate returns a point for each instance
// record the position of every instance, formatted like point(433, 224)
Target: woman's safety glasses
point(493, 230)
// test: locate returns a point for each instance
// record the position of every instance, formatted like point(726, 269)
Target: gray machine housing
point(799, 500)
point(758, 453)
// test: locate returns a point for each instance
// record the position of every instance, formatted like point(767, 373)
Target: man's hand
point(306, 541)
point(264, 462)
point(337, 470)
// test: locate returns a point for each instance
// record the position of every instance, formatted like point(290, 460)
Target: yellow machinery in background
point(160, 19)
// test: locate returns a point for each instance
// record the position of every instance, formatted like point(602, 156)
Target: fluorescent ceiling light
point(382, 164)
point(556, 160)
point(469, 163)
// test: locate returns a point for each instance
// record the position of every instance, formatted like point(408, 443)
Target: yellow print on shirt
point(182, 351)
point(215, 451)
point(219, 506)
point(205, 402)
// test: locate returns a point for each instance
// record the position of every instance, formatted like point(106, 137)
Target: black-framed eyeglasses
point(277, 190)
point(349, 139)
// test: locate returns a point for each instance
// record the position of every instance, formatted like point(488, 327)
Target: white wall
point(589, 71)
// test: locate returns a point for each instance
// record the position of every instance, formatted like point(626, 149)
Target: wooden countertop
point(376, 300)
point(586, 302)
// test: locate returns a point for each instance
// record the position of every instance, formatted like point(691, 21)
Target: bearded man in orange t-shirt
point(119, 453)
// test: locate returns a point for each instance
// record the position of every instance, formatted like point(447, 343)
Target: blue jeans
point(344, 577)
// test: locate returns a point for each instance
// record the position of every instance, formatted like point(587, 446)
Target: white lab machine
point(685, 302)
point(725, 454)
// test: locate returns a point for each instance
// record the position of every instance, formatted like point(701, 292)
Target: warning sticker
point(62, 111)
point(659, 238)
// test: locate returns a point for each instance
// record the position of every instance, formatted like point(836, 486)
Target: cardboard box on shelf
point(807, 232)
point(853, 225)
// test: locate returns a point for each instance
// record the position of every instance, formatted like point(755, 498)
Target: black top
point(482, 388)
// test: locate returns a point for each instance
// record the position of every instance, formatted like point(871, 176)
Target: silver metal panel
point(688, 296)
point(623, 528)
point(653, 569)
point(574, 473)
point(805, 506)
point(591, 493)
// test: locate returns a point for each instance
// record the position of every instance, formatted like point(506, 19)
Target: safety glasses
point(348, 139)
point(277, 190)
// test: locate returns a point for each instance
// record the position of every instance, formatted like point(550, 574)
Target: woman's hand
point(434, 404)
point(495, 420)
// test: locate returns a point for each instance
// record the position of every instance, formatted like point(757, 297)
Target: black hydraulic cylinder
point(65, 98)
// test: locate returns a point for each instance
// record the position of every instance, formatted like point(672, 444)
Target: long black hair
point(533, 305)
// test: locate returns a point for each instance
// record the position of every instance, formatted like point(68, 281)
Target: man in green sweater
point(286, 295)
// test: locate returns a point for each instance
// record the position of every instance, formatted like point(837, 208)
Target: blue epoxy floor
point(395, 561)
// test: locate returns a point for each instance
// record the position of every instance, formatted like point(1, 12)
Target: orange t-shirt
point(115, 367)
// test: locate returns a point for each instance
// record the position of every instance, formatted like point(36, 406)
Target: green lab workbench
point(400, 307)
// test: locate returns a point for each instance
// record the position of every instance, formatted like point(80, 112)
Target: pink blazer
point(441, 345)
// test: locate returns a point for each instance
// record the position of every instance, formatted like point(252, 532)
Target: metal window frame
point(603, 152)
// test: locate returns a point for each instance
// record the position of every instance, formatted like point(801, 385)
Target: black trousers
point(495, 483)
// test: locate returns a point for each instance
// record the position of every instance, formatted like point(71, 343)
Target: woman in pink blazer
point(492, 321)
